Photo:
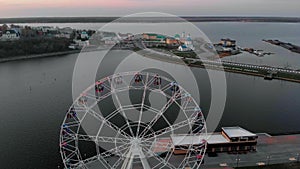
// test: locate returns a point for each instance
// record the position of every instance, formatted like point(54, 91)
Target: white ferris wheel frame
point(129, 145)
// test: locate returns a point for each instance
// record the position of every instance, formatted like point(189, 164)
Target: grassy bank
point(26, 47)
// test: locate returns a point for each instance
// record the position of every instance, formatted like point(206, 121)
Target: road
point(270, 150)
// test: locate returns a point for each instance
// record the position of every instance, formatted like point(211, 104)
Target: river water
point(35, 94)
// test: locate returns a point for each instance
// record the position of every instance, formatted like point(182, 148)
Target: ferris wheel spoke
point(168, 129)
point(123, 113)
point(151, 108)
point(183, 110)
point(116, 150)
point(102, 97)
point(108, 123)
point(120, 160)
point(160, 159)
point(101, 139)
point(142, 104)
point(158, 91)
point(166, 87)
point(117, 163)
point(158, 115)
point(119, 150)
point(187, 160)
point(108, 153)
point(149, 82)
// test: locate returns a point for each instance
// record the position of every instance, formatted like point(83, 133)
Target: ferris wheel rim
point(110, 93)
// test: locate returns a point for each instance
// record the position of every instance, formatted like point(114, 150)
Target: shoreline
point(25, 57)
point(173, 60)
point(150, 19)
point(183, 62)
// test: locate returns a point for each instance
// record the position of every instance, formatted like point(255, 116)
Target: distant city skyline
point(55, 8)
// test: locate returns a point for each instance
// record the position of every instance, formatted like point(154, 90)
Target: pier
point(268, 72)
point(242, 68)
point(288, 46)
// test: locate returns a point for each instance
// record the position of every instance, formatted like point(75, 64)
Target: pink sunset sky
point(32, 8)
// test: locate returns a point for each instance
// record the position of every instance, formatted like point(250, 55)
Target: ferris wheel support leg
point(135, 150)
point(128, 162)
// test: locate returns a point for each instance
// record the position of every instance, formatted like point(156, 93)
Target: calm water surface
point(35, 95)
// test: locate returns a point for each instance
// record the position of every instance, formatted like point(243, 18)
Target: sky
point(41, 8)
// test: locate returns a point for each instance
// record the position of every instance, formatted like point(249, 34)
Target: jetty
point(288, 46)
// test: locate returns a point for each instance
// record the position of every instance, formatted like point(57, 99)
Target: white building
point(126, 36)
point(110, 40)
point(186, 40)
point(10, 35)
point(46, 29)
point(63, 35)
point(183, 48)
point(189, 43)
point(84, 35)
point(81, 43)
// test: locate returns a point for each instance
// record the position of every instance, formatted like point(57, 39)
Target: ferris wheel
point(133, 120)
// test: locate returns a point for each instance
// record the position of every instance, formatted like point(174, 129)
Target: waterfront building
point(228, 42)
point(10, 35)
point(189, 43)
point(46, 29)
point(4, 27)
point(182, 143)
point(183, 48)
point(153, 37)
point(160, 38)
point(145, 36)
point(149, 36)
point(183, 36)
point(231, 139)
point(63, 35)
point(84, 35)
point(126, 36)
point(227, 47)
point(103, 34)
point(17, 28)
point(172, 41)
point(186, 41)
point(177, 36)
point(81, 43)
point(53, 33)
point(110, 42)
